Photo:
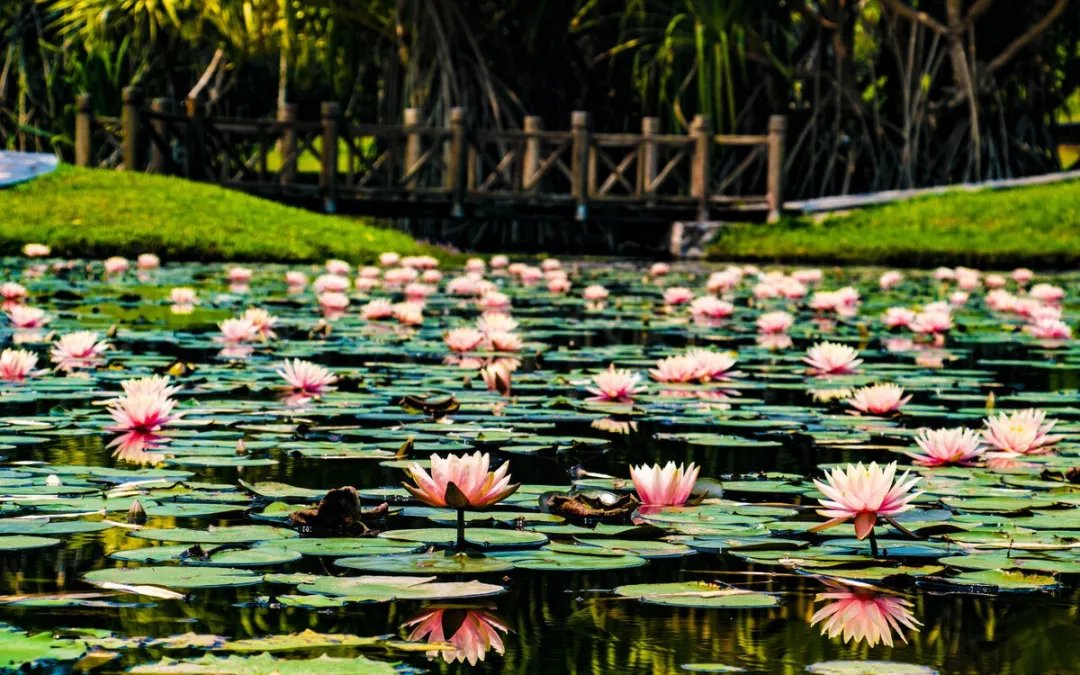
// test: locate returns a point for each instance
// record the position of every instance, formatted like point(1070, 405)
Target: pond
point(171, 526)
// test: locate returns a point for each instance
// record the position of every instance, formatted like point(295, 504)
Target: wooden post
point(328, 173)
point(648, 157)
point(412, 145)
point(129, 122)
point(579, 184)
point(159, 160)
point(774, 195)
point(699, 168)
point(457, 166)
point(530, 160)
point(195, 140)
point(84, 119)
point(287, 117)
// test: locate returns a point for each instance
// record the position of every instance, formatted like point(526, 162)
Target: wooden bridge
point(453, 171)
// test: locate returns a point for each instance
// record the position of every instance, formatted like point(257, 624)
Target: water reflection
point(137, 447)
point(864, 615)
point(471, 632)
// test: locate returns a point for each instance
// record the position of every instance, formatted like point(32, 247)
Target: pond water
point(979, 577)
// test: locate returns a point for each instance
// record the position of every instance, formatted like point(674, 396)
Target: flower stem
point(873, 543)
point(460, 530)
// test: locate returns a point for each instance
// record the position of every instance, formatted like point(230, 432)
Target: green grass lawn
point(98, 213)
point(1031, 226)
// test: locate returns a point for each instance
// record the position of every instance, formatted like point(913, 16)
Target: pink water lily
point(116, 265)
point(879, 399)
point(12, 293)
point(774, 323)
point(678, 295)
point(183, 296)
point(505, 342)
point(864, 616)
point(615, 386)
point(377, 309)
point(234, 331)
point(295, 279)
point(889, 279)
point(713, 366)
point(409, 313)
point(144, 412)
point(669, 485)
point(80, 349)
point(263, 322)
point(34, 250)
point(496, 323)
point(463, 339)
point(1049, 329)
point(148, 261)
point(595, 293)
point(864, 493)
point(25, 317)
point(17, 365)
point(1022, 432)
point(830, 358)
point(710, 307)
point(944, 447)
point(307, 377)
point(898, 317)
point(478, 487)
point(330, 283)
point(675, 369)
point(239, 275)
point(659, 269)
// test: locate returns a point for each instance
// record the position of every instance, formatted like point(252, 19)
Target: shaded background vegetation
point(879, 93)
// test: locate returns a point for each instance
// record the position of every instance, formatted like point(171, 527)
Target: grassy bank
point(1031, 226)
point(97, 213)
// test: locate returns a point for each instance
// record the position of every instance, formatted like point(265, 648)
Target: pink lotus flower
point(154, 385)
point(494, 302)
point(943, 447)
point(830, 358)
point(370, 272)
point(237, 330)
point(549, 264)
point(496, 323)
point(478, 487)
point(890, 279)
point(330, 283)
point(466, 285)
point(724, 280)
point(366, 284)
point(17, 365)
point(24, 317)
point(864, 617)
point(1022, 432)
point(994, 281)
point(898, 317)
point(880, 399)
point(710, 307)
point(791, 288)
point(475, 634)
point(420, 262)
point(409, 313)
point(81, 349)
point(669, 485)
point(416, 292)
point(497, 376)
point(183, 296)
point(431, 276)
point(944, 274)
point(678, 295)
point(959, 298)
point(530, 275)
point(774, 323)
point(659, 269)
point(967, 279)
point(239, 275)
point(333, 302)
point(713, 366)
point(499, 262)
point(558, 285)
point(932, 321)
point(389, 258)
point(263, 321)
point(807, 276)
point(864, 493)
point(505, 342)
point(306, 377)
point(143, 412)
point(1049, 329)
point(774, 341)
point(766, 290)
point(615, 386)
point(595, 293)
point(1047, 293)
point(148, 261)
point(463, 339)
point(399, 276)
point(377, 309)
point(1022, 275)
point(36, 250)
point(12, 294)
point(338, 267)
point(475, 265)
point(683, 368)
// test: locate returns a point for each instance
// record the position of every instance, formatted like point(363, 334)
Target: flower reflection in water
point(137, 448)
point(862, 614)
point(472, 633)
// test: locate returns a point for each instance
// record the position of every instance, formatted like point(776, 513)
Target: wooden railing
point(455, 169)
